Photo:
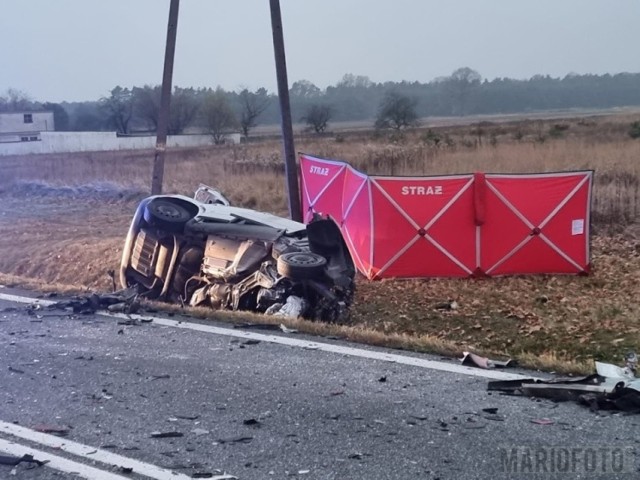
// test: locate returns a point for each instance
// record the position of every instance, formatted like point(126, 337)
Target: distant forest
point(464, 92)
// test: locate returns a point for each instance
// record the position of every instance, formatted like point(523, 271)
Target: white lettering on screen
point(319, 170)
point(418, 190)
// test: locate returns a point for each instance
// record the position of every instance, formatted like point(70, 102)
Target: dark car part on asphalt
point(206, 252)
point(13, 461)
point(610, 388)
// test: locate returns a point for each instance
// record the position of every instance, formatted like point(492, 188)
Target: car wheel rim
point(304, 259)
point(168, 211)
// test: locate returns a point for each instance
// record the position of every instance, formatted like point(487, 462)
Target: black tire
point(166, 215)
point(301, 265)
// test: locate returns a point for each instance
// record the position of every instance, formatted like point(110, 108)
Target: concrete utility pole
point(293, 192)
point(165, 100)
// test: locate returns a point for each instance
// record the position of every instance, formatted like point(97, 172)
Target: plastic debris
point(473, 360)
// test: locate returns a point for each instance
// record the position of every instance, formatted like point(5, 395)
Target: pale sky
point(76, 50)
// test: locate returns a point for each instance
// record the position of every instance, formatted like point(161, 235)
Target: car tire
point(166, 215)
point(301, 265)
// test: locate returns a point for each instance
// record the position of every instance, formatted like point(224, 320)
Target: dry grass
point(61, 236)
point(251, 174)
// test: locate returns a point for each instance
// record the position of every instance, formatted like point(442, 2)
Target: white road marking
point(58, 463)
point(94, 454)
point(294, 342)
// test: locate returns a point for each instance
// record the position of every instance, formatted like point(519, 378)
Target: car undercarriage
point(203, 251)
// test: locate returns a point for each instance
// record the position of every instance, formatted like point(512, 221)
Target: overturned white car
point(203, 251)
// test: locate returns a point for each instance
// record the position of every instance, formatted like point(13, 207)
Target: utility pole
point(165, 100)
point(293, 192)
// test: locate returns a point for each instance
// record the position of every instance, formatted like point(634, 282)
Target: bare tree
point(397, 112)
point(118, 108)
point(183, 110)
point(304, 89)
point(252, 104)
point(14, 101)
point(317, 117)
point(147, 104)
point(460, 85)
point(219, 117)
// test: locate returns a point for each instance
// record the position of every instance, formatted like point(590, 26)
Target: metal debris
point(611, 387)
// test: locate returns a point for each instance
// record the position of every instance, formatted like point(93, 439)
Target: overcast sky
point(75, 50)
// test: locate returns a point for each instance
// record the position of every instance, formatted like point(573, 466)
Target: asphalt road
point(261, 410)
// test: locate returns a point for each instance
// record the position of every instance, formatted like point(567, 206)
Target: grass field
point(64, 217)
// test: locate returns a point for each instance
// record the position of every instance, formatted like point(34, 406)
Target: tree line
point(388, 105)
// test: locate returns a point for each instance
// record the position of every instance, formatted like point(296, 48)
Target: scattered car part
point(203, 251)
point(13, 461)
point(473, 360)
point(611, 387)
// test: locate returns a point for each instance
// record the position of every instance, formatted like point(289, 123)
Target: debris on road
point(12, 461)
point(126, 301)
point(542, 421)
point(232, 440)
point(58, 430)
point(611, 387)
point(252, 422)
point(285, 329)
point(495, 417)
point(473, 360)
point(172, 434)
point(215, 475)
point(188, 417)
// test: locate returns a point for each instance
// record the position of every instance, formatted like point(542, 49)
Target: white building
point(24, 126)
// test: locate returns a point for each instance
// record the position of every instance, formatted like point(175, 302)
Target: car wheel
point(167, 215)
point(301, 265)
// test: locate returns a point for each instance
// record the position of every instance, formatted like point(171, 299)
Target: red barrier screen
point(454, 225)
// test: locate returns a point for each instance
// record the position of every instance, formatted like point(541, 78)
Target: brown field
point(64, 217)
